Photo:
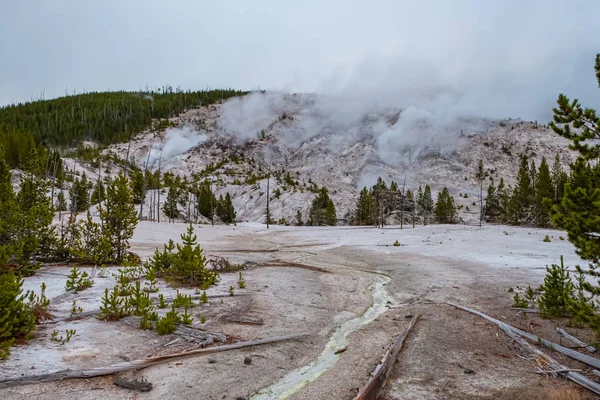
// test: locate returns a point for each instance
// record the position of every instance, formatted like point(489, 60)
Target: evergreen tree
point(206, 200)
point(16, 318)
point(61, 203)
point(427, 204)
point(99, 193)
point(557, 291)
point(80, 194)
point(445, 210)
point(480, 177)
point(544, 190)
point(299, 221)
point(364, 208)
point(118, 216)
point(170, 207)
point(503, 201)
point(137, 186)
point(8, 213)
point(579, 210)
point(559, 178)
point(322, 210)
point(492, 203)
point(522, 195)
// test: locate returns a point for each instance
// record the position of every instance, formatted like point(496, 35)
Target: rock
point(469, 371)
point(212, 359)
point(247, 360)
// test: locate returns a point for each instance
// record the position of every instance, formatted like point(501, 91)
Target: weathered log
point(576, 341)
point(526, 310)
point(136, 364)
point(140, 386)
point(375, 385)
point(542, 358)
point(584, 358)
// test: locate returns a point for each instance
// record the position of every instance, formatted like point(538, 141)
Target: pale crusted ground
point(434, 264)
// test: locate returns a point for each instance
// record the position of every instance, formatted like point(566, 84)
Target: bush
point(76, 280)
point(186, 265)
point(241, 282)
point(546, 239)
point(397, 243)
point(16, 318)
point(557, 291)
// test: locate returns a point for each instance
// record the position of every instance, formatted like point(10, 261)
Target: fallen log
point(584, 358)
point(526, 310)
point(140, 386)
point(542, 359)
point(136, 364)
point(375, 385)
point(576, 341)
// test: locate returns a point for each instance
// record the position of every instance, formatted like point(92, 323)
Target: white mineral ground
point(339, 308)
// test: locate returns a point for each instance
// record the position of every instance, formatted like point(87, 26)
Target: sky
point(489, 58)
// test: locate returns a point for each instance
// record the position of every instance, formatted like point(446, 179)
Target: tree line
point(102, 117)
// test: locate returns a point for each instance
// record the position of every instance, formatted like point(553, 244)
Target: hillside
point(343, 147)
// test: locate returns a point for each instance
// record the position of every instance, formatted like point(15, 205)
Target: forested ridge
point(102, 117)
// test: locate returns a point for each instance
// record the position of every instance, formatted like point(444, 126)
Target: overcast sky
point(502, 58)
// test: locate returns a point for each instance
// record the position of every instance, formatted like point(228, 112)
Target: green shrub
point(396, 243)
point(241, 282)
point(546, 239)
point(16, 318)
point(518, 302)
point(113, 307)
point(76, 280)
point(557, 291)
point(187, 264)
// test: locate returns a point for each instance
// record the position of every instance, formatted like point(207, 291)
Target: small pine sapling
point(241, 282)
point(76, 280)
point(183, 301)
point(531, 296)
point(69, 333)
point(39, 305)
point(202, 319)
point(557, 291)
point(161, 301)
point(150, 286)
point(75, 309)
point(204, 298)
point(396, 243)
point(231, 290)
point(186, 317)
point(519, 302)
point(546, 239)
point(113, 307)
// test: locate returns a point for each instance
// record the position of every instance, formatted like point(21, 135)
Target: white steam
point(400, 132)
point(177, 141)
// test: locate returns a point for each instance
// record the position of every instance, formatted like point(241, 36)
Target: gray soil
point(449, 355)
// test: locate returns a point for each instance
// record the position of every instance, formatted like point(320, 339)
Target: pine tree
point(170, 207)
point(299, 221)
point(503, 201)
point(559, 178)
point(492, 203)
point(8, 213)
point(544, 190)
point(480, 177)
point(579, 210)
point(445, 210)
point(189, 262)
point(118, 216)
point(61, 203)
point(99, 193)
point(427, 204)
point(557, 291)
point(16, 319)
point(322, 210)
point(80, 194)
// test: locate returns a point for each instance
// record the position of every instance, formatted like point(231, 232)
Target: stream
point(298, 378)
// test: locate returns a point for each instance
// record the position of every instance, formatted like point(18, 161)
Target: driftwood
point(140, 386)
point(136, 364)
point(526, 310)
point(244, 319)
point(584, 358)
point(542, 359)
point(375, 385)
point(576, 341)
